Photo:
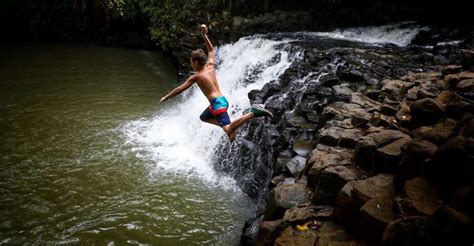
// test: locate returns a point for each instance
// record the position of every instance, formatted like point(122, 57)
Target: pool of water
point(68, 172)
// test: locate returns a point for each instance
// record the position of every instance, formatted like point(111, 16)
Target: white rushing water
point(177, 142)
point(400, 34)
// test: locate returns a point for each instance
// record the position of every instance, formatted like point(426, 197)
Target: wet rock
point(447, 224)
point(452, 165)
point(466, 85)
point(284, 157)
point(466, 75)
point(388, 110)
point(441, 132)
point(301, 123)
point(395, 88)
point(451, 80)
point(425, 111)
point(342, 92)
point(350, 75)
point(420, 197)
point(408, 231)
point(363, 101)
point(332, 179)
point(379, 186)
point(296, 165)
point(445, 97)
point(467, 130)
point(329, 80)
point(292, 236)
point(278, 179)
point(413, 161)
point(334, 136)
point(450, 69)
point(255, 96)
point(302, 147)
point(468, 59)
point(390, 155)
point(298, 215)
point(341, 109)
point(329, 233)
point(355, 194)
point(360, 118)
point(269, 231)
point(324, 156)
point(270, 89)
point(288, 196)
point(375, 215)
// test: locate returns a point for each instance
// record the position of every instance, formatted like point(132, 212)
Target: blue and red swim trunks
point(217, 110)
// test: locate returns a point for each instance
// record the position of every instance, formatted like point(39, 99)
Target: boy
point(205, 78)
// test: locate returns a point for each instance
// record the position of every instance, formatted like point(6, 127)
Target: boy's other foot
point(259, 111)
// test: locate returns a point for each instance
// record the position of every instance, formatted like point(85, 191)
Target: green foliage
point(170, 17)
point(167, 20)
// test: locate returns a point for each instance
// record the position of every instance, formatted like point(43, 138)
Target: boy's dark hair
point(199, 56)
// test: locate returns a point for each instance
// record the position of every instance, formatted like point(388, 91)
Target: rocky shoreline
point(370, 146)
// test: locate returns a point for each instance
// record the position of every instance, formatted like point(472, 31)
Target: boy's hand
point(203, 29)
point(163, 99)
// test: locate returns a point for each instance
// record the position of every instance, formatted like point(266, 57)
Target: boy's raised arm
point(210, 49)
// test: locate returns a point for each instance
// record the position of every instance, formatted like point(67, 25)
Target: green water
point(66, 174)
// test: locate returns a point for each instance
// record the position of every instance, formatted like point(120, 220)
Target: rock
point(342, 92)
point(445, 97)
point(408, 231)
point(301, 123)
point(360, 119)
point(363, 101)
point(375, 215)
point(396, 88)
point(350, 75)
point(299, 215)
point(270, 89)
point(447, 224)
point(466, 85)
point(334, 136)
point(341, 109)
point(324, 156)
point(439, 59)
point(291, 236)
point(413, 161)
point(278, 179)
point(355, 194)
point(467, 130)
point(329, 233)
point(302, 146)
point(450, 69)
point(420, 197)
point(451, 80)
point(452, 165)
point(466, 75)
point(269, 231)
point(288, 196)
point(379, 186)
point(441, 132)
point(385, 137)
point(389, 155)
point(296, 165)
point(425, 111)
point(284, 157)
point(388, 110)
point(468, 59)
point(329, 80)
point(332, 179)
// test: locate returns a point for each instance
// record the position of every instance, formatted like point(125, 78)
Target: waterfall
point(176, 141)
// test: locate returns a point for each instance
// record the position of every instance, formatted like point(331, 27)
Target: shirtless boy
point(205, 78)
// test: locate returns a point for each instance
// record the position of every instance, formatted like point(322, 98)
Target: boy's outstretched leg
point(256, 111)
